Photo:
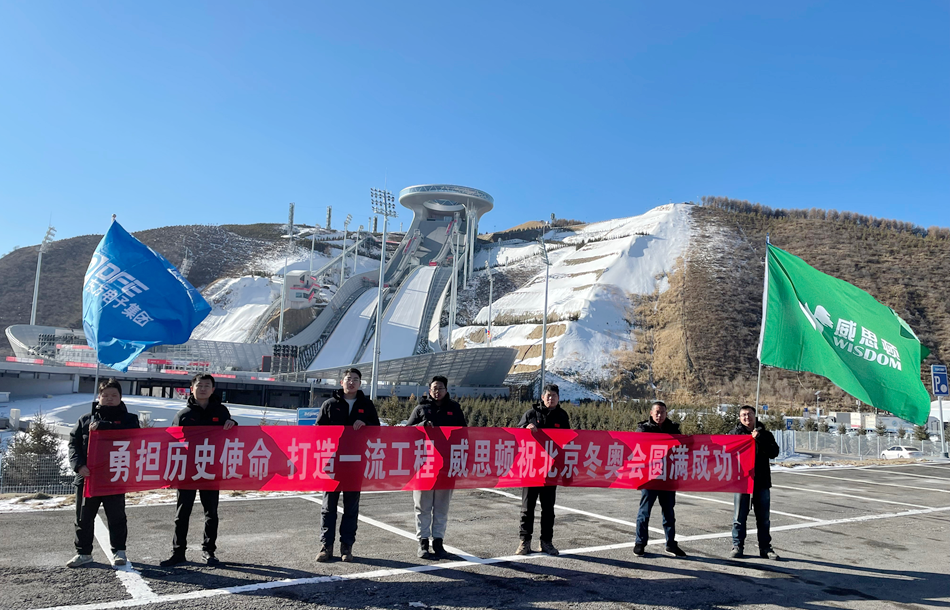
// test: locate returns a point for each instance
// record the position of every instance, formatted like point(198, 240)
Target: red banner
point(334, 458)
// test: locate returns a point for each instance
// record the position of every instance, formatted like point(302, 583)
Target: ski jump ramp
point(346, 327)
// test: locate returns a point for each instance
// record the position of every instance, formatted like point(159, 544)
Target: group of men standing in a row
point(350, 407)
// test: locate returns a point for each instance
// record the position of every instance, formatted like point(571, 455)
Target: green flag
point(820, 324)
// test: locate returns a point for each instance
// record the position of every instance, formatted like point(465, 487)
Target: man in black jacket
point(204, 409)
point(760, 499)
point(432, 506)
point(658, 423)
point(108, 413)
point(348, 407)
point(547, 414)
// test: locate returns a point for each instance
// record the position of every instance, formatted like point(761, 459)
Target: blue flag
point(132, 299)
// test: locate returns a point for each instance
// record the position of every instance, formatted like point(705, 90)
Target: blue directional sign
point(938, 373)
point(307, 417)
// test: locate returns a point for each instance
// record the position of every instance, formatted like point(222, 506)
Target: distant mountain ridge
point(687, 326)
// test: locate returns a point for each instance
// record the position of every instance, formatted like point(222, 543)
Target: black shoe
point(346, 552)
point(769, 553)
point(210, 559)
point(174, 560)
point(736, 553)
point(423, 552)
point(675, 550)
point(639, 549)
point(437, 549)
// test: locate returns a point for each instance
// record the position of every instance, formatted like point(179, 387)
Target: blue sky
point(223, 112)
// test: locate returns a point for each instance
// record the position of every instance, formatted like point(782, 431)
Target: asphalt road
point(863, 538)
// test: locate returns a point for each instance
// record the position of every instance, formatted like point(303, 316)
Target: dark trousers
point(667, 502)
point(86, 510)
point(529, 499)
point(186, 500)
point(759, 501)
point(349, 522)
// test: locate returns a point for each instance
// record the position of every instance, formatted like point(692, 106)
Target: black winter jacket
point(109, 418)
point(449, 413)
point(668, 427)
point(542, 417)
point(765, 449)
point(336, 412)
point(215, 414)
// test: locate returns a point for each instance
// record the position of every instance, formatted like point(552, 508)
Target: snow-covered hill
point(593, 269)
point(239, 303)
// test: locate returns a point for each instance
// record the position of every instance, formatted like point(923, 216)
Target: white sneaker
point(79, 560)
point(119, 559)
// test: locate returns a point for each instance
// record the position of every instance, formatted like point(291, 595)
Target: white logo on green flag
point(817, 323)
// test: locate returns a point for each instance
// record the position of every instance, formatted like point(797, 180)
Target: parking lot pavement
point(873, 537)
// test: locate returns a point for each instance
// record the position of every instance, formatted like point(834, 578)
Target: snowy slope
point(592, 272)
point(236, 305)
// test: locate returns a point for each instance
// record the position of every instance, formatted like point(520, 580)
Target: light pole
point(356, 248)
point(346, 223)
point(313, 237)
point(383, 203)
point(283, 290)
point(491, 286)
point(454, 293)
point(544, 319)
point(817, 408)
point(44, 246)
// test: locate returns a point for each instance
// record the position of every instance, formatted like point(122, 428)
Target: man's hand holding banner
point(335, 458)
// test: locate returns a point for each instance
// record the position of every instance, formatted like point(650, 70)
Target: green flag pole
point(765, 289)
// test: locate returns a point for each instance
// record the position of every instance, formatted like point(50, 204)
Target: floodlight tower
point(283, 290)
point(356, 248)
point(491, 286)
point(453, 298)
point(44, 246)
point(544, 318)
point(346, 224)
point(383, 203)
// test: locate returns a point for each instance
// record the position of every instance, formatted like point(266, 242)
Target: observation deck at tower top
point(444, 200)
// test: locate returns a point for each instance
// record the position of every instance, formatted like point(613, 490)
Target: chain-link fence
point(35, 473)
point(830, 446)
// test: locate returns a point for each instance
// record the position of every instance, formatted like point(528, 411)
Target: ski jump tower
point(417, 282)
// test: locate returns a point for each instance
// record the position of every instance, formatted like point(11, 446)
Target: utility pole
point(44, 246)
point(383, 203)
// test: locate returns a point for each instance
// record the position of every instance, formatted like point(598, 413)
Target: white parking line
point(731, 503)
point(133, 582)
point(910, 474)
point(824, 476)
point(279, 584)
point(851, 496)
point(395, 530)
point(632, 524)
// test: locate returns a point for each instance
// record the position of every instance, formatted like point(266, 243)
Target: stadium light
point(44, 246)
point(384, 203)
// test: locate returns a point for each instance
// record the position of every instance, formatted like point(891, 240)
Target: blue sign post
point(307, 417)
point(938, 374)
